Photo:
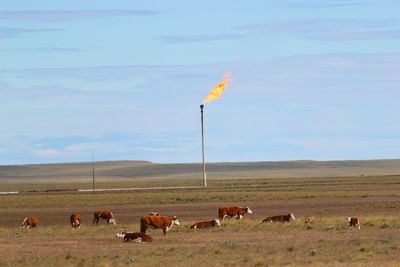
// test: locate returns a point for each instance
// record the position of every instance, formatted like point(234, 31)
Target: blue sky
point(124, 80)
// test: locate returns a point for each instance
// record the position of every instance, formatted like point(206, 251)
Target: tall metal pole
point(202, 147)
point(93, 171)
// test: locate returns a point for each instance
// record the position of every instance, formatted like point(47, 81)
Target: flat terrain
point(375, 198)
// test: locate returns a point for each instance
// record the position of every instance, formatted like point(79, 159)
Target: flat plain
point(326, 191)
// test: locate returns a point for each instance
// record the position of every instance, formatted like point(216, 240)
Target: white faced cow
point(137, 236)
point(105, 215)
point(75, 220)
point(158, 222)
point(354, 222)
point(30, 222)
point(206, 224)
point(237, 212)
point(280, 218)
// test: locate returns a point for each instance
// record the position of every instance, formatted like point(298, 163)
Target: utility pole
point(93, 171)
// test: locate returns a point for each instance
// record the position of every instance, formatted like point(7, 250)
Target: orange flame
point(217, 91)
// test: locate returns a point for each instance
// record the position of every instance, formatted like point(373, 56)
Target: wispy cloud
point(173, 39)
point(45, 49)
point(69, 15)
point(323, 3)
point(330, 29)
point(6, 32)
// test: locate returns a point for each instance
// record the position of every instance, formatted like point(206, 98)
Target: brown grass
point(248, 242)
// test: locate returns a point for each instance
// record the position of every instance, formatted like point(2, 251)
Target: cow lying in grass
point(280, 218)
point(206, 224)
point(30, 222)
point(137, 236)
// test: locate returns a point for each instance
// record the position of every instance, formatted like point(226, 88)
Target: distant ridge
point(131, 169)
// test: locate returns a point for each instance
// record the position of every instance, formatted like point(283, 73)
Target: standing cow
point(237, 212)
point(105, 215)
point(75, 220)
point(354, 222)
point(280, 218)
point(30, 222)
point(158, 222)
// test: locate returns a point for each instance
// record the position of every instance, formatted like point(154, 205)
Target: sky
point(123, 80)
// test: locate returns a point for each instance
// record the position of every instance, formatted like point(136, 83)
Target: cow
point(105, 215)
point(30, 222)
point(237, 212)
point(354, 222)
point(309, 220)
point(158, 222)
point(137, 236)
point(75, 220)
point(280, 218)
point(206, 224)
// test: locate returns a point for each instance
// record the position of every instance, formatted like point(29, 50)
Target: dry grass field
point(329, 192)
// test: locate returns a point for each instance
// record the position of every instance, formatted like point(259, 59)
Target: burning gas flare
point(217, 91)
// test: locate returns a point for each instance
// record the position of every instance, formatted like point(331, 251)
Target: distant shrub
point(385, 226)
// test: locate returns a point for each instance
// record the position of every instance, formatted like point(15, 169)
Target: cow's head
point(121, 233)
point(175, 221)
point(23, 224)
point(154, 214)
point(291, 217)
point(348, 219)
point(217, 223)
point(248, 210)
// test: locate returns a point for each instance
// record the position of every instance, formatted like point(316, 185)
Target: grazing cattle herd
point(154, 220)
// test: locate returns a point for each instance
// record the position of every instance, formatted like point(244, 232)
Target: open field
point(328, 242)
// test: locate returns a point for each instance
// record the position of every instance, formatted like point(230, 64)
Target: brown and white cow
point(237, 212)
point(280, 218)
point(137, 236)
point(206, 224)
point(30, 222)
point(354, 222)
point(105, 215)
point(309, 220)
point(75, 220)
point(158, 222)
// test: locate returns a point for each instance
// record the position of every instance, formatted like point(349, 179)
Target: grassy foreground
point(326, 242)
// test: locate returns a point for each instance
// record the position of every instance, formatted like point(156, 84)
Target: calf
point(75, 220)
point(137, 236)
point(30, 222)
point(206, 224)
point(237, 212)
point(158, 222)
point(105, 215)
point(280, 218)
point(354, 222)
point(309, 220)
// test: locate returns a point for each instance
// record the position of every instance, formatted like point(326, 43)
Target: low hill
point(145, 169)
